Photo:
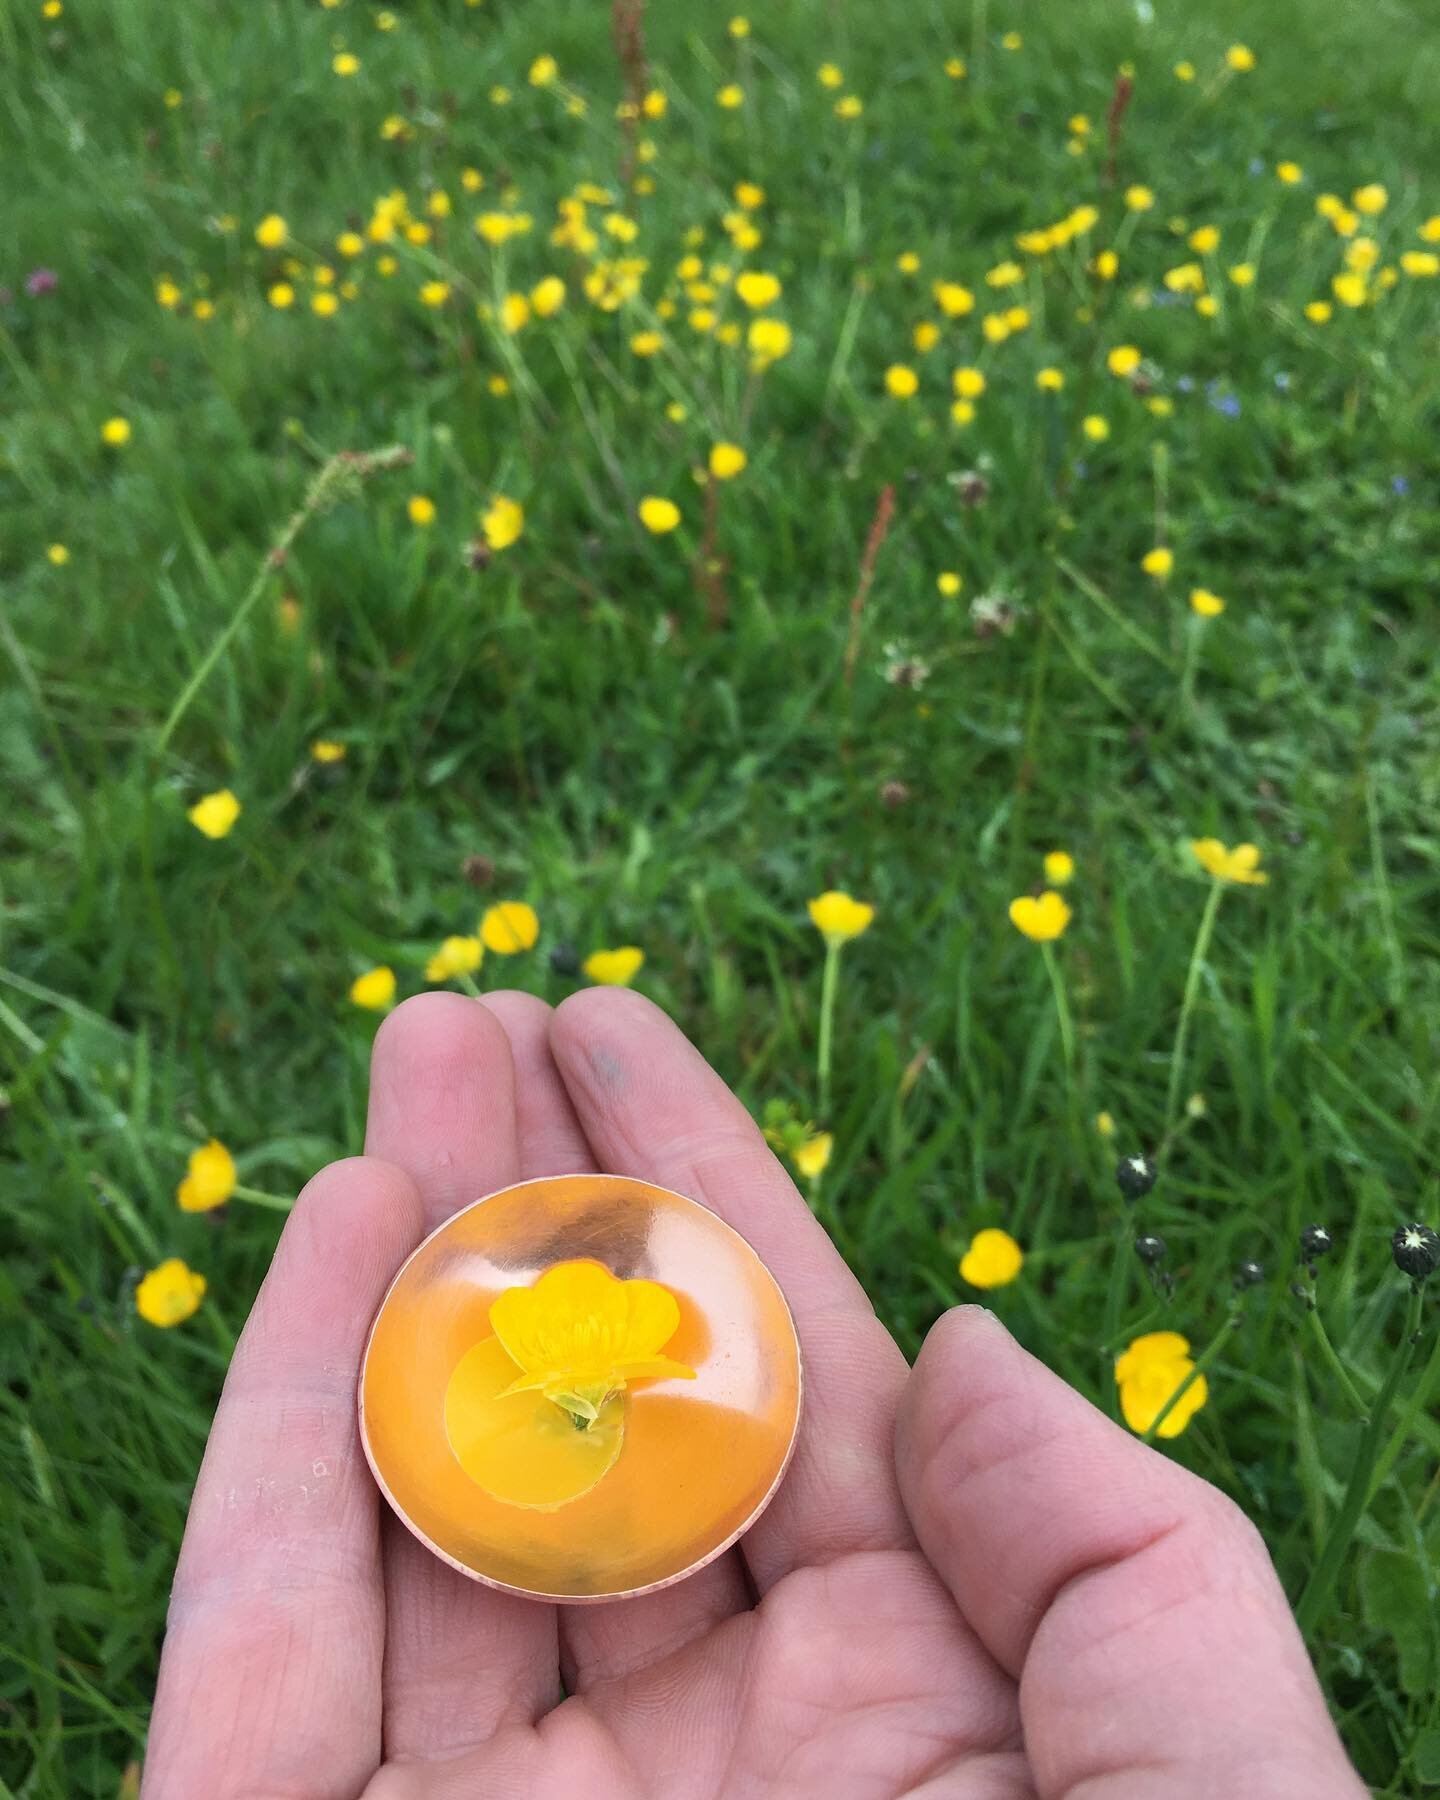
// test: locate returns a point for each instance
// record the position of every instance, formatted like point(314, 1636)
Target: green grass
point(644, 776)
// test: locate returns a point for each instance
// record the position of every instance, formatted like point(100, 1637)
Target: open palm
point(971, 1583)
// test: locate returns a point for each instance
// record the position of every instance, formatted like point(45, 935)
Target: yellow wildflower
point(115, 432)
point(209, 1178)
point(1124, 359)
point(169, 1293)
point(1206, 604)
point(1148, 1373)
point(993, 1260)
point(1240, 58)
point(579, 1335)
point(1289, 172)
point(214, 815)
point(1096, 428)
point(658, 514)
point(543, 71)
point(730, 96)
point(375, 989)
point(949, 583)
point(421, 509)
point(502, 522)
point(1041, 920)
point(346, 63)
point(57, 554)
point(614, 968)
point(727, 461)
point(812, 1157)
point(327, 751)
point(456, 956)
point(271, 232)
point(547, 297)
point(901, 382)
point(1158, 562)
point(1059, 867)
point(509, 927)
point(1242, 864)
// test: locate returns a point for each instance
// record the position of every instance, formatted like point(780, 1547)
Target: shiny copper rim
point(653, 1587)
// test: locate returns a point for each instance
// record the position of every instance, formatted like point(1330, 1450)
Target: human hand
point(970, 1583)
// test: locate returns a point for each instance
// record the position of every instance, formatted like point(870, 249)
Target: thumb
point(1136, 1606)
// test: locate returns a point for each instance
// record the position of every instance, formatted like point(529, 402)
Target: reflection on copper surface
point(700, 1459)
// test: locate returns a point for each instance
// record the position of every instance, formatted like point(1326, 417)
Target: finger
point(1135, 1604)
point(460, 1659)
point(600, 1643)
point(653, 1108)
point(550, 1140)
point(271, 1677)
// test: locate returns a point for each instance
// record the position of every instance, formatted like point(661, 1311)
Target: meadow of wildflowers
point(908, 534)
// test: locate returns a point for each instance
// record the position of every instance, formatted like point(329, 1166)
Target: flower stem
point(1336, 1367)
point(829, 982)
point(1187, 1005)
point(1202, 1363)
point(1357, 1492)
point(1115, 1296)
point(1062, 1010)
point(274, 1202)
point(1414, 1406)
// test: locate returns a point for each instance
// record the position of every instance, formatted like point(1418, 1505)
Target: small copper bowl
point(698, 1461)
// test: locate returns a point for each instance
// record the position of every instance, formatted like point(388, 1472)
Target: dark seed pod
point(1150, 1250)
point(1416, 1249)
point(1315, 1242)
point(565, 959)
point(1249, 1274)
point(1135, 1176)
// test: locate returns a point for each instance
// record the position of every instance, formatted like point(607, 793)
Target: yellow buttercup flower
point(1124, 359)
point(925, 336)
point(953, 299)
point(1319, 312)
point(115, 432)
point(1059, 867)
point(830, 76)
point(1241, 864)
point(509, 927)
point(812, 1157)
point(215, 814)
point(580, 1335)
point(1371, 199)
point(209, 1179)
point(969, 384)
point(730, 96)
point(658, 514)
point(1096, 428)
point(614, 968)
point(949, 583)
point(456, 956)
point(1240, 58)
point(1206, 604)
point(757, 289)
point(1148, 1373)
point(1158, 562)
point(543, 71)
point(1041, 920)
point(502, 522)
point(271, 232)
point(421, 509)
point(375, 989)
point(547, 297)
point(57, 554)
point(169, 1293)
point(1350, 289)
point(327, 750)
point(838, 917)
point(1289, 172)
point(346, 63)
point(901, 382)
point(993, 1260)
point(849, 106)
point(727, 461)
point(1184, 71)
point(1243, 274)
point(1139, 198)
point(1050, 381)
point(1105, 1124)
point(281, 295)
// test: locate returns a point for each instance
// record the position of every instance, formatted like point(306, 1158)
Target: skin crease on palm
point(971, 1583)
